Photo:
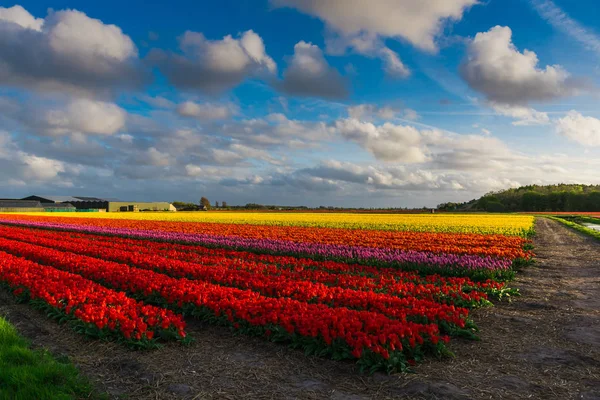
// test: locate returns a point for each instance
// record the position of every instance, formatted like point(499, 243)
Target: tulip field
point(384, 291)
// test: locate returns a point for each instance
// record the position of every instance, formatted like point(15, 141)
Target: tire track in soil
point(543, 345)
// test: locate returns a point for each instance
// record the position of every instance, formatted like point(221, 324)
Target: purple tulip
point(364, 255)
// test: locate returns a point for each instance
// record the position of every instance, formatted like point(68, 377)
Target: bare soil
point(543, 345)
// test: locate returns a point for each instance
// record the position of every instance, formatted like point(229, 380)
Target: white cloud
point(393, 66)
point(309, 74)
point(434, 148)
point(419, 23)
point(362, 25)
point(125, 138)
point(524, 116)
point(154, 157)
point(411, 114)
point(65, 51)
point(369, 46)
point(226, 157)
point(276, 130)
point(387, 142)
point(85, 116)
point(215, 65)
point(378, 177)
point(21, 17)
point(496, 68)
point(40, 168)
point(88, 41)
point(451, 151)
point(193, 170)
point(584, 130)
point(20, 166)
point(206, 111)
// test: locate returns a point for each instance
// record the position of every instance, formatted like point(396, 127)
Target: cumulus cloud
point(20, 166)
point(40, 168)
point(395, 143)
point(581, 129)
point(470, 153)
point(496, 68)
point(309, 74)
point(153, 157)
point(411, 114)
point(362, 26)
point(85, 116)
point(387, 142)
point(392, 64)
point(214, 66)
point(65, 51)
point(378, 177)
point(370, 46)
point(206, 111)
point(18, 15)
point(524, 116)
point(276, 130)
point(62, 115)
point(418, 23)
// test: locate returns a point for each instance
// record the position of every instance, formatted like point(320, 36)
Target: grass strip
point(578, 227)
point(27, 374)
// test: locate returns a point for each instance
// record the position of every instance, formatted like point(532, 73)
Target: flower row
point(373, 338)
point(454, 243)
point(514, 225)
point(90, 307)
point(424, 262)
point(183, 261)
point(407, 307)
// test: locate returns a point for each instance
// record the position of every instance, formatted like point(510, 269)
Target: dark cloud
point(214, 66)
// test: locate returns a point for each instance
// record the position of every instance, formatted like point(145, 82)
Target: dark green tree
point(205, 202)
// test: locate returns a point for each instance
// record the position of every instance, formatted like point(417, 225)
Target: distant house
point(59, 207)
point(82, 203)
point(13, 205)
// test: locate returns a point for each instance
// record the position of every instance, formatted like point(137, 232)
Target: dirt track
point(546, 344)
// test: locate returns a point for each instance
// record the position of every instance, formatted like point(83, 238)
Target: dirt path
point(546, 344)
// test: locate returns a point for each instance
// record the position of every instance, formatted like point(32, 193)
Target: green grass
point(578, 227)
point(27, 374)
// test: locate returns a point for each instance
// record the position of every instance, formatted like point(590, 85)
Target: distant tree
point(558, 197)
point(495, 206)
point(449, 206)
point(183, 206)
point(216, 204)
point(179, 204)
point(205, 202)
point(224, 204)
point(254, 206)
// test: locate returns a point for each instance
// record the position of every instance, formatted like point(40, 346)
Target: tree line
point(560, 197)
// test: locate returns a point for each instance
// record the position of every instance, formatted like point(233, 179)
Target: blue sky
point(339, 102)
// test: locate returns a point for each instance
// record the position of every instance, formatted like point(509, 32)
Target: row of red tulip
point(154, 256)
point(406, 307)
point(340, 332)
point(89, 306)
